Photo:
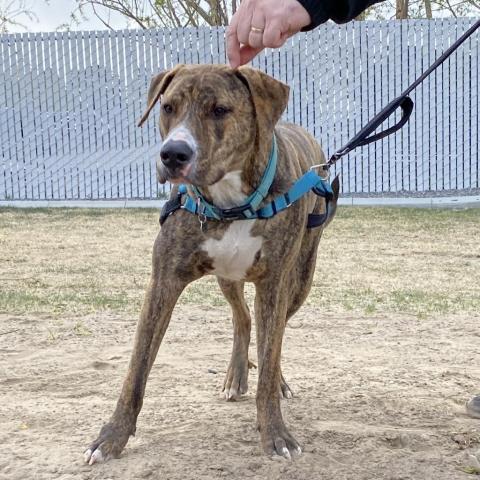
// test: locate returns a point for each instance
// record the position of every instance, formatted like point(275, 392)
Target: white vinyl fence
point(69, 103)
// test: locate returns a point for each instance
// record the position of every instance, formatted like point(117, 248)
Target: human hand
point(258, 24)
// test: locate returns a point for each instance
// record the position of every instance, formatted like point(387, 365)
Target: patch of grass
point(370, 308)
point(418, 261)
point(81, 330)
point(203, 292)
point(25, 301)
point(471, 470)
point(51, 335)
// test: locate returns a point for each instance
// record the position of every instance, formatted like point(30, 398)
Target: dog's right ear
point(158, 85)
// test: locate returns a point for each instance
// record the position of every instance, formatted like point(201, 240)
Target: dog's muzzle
point(175, 162)
point(176, 154)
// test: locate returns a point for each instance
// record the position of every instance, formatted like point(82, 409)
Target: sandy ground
point(379, 396)
point(381, 359)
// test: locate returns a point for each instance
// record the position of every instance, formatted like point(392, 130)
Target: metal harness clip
point(202, 218)
point(324, 166)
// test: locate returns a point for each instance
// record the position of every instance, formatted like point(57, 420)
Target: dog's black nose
point(175, 153)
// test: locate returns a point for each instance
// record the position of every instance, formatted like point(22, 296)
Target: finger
point(233, 44)
point(274, 36)
point(247, 53)
point(244, 24)
point(257, 27)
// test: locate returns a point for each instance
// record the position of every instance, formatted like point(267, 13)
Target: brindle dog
point(217, 125)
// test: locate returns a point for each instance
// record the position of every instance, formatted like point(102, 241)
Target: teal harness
point(251, 209)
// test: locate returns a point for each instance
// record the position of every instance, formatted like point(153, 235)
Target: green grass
point(27, 301)
point(371, 260)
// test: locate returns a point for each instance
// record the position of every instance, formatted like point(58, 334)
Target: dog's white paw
point(278, 442)
point(236, 380)
point(109, 444)
point(233, 394)
point(93, 457)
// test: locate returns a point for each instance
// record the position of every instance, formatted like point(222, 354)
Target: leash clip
point(324, 166)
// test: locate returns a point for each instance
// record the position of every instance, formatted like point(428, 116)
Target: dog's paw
point(277, 441)
point(236, 380)
point(109, 444)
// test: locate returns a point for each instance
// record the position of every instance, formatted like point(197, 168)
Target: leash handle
point(403, 101)
point(364, 136)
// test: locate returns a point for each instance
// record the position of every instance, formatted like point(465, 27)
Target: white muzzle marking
point(183, 134)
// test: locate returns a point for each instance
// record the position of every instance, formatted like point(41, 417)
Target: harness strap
point(308, 182)
point(171, 206)
point(197, 205)
point(318, 219)
point(200, 206)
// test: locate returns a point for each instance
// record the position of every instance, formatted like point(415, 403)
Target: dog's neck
point(235, 186)
point(229, 192)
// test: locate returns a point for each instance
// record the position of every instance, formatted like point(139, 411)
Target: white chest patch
point(227, 192)
point(235, 252)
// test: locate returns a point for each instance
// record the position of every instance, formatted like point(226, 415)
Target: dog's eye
point(167, 108)
point(219, 112)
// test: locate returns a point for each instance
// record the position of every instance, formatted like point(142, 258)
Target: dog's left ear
point(270, 97)
point(158, 85)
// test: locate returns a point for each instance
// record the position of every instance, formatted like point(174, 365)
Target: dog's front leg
point(270, 315)
point(162, 294)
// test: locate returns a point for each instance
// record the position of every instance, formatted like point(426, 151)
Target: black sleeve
point(340, 11)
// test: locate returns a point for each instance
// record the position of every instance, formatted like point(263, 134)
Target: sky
point(57, 12)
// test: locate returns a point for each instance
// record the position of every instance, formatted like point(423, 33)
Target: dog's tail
point(332, 206)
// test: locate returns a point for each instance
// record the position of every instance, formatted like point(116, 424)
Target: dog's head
point(212, 119)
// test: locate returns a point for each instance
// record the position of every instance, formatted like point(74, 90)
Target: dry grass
point(371, 260)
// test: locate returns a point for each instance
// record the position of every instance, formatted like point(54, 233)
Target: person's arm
point(340, 11)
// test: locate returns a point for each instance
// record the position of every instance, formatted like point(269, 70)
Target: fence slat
point(474, 126)
point(69, 103)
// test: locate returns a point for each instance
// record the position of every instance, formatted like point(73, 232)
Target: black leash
point(364, 137)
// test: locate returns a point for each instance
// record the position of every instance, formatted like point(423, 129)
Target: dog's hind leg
point(162, 294)
point(300, 282)
point(236, 379)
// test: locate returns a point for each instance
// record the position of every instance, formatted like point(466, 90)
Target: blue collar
point(310, 181)
point(201, 207)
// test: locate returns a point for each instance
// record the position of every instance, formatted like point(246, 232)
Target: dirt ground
point(380, 380)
